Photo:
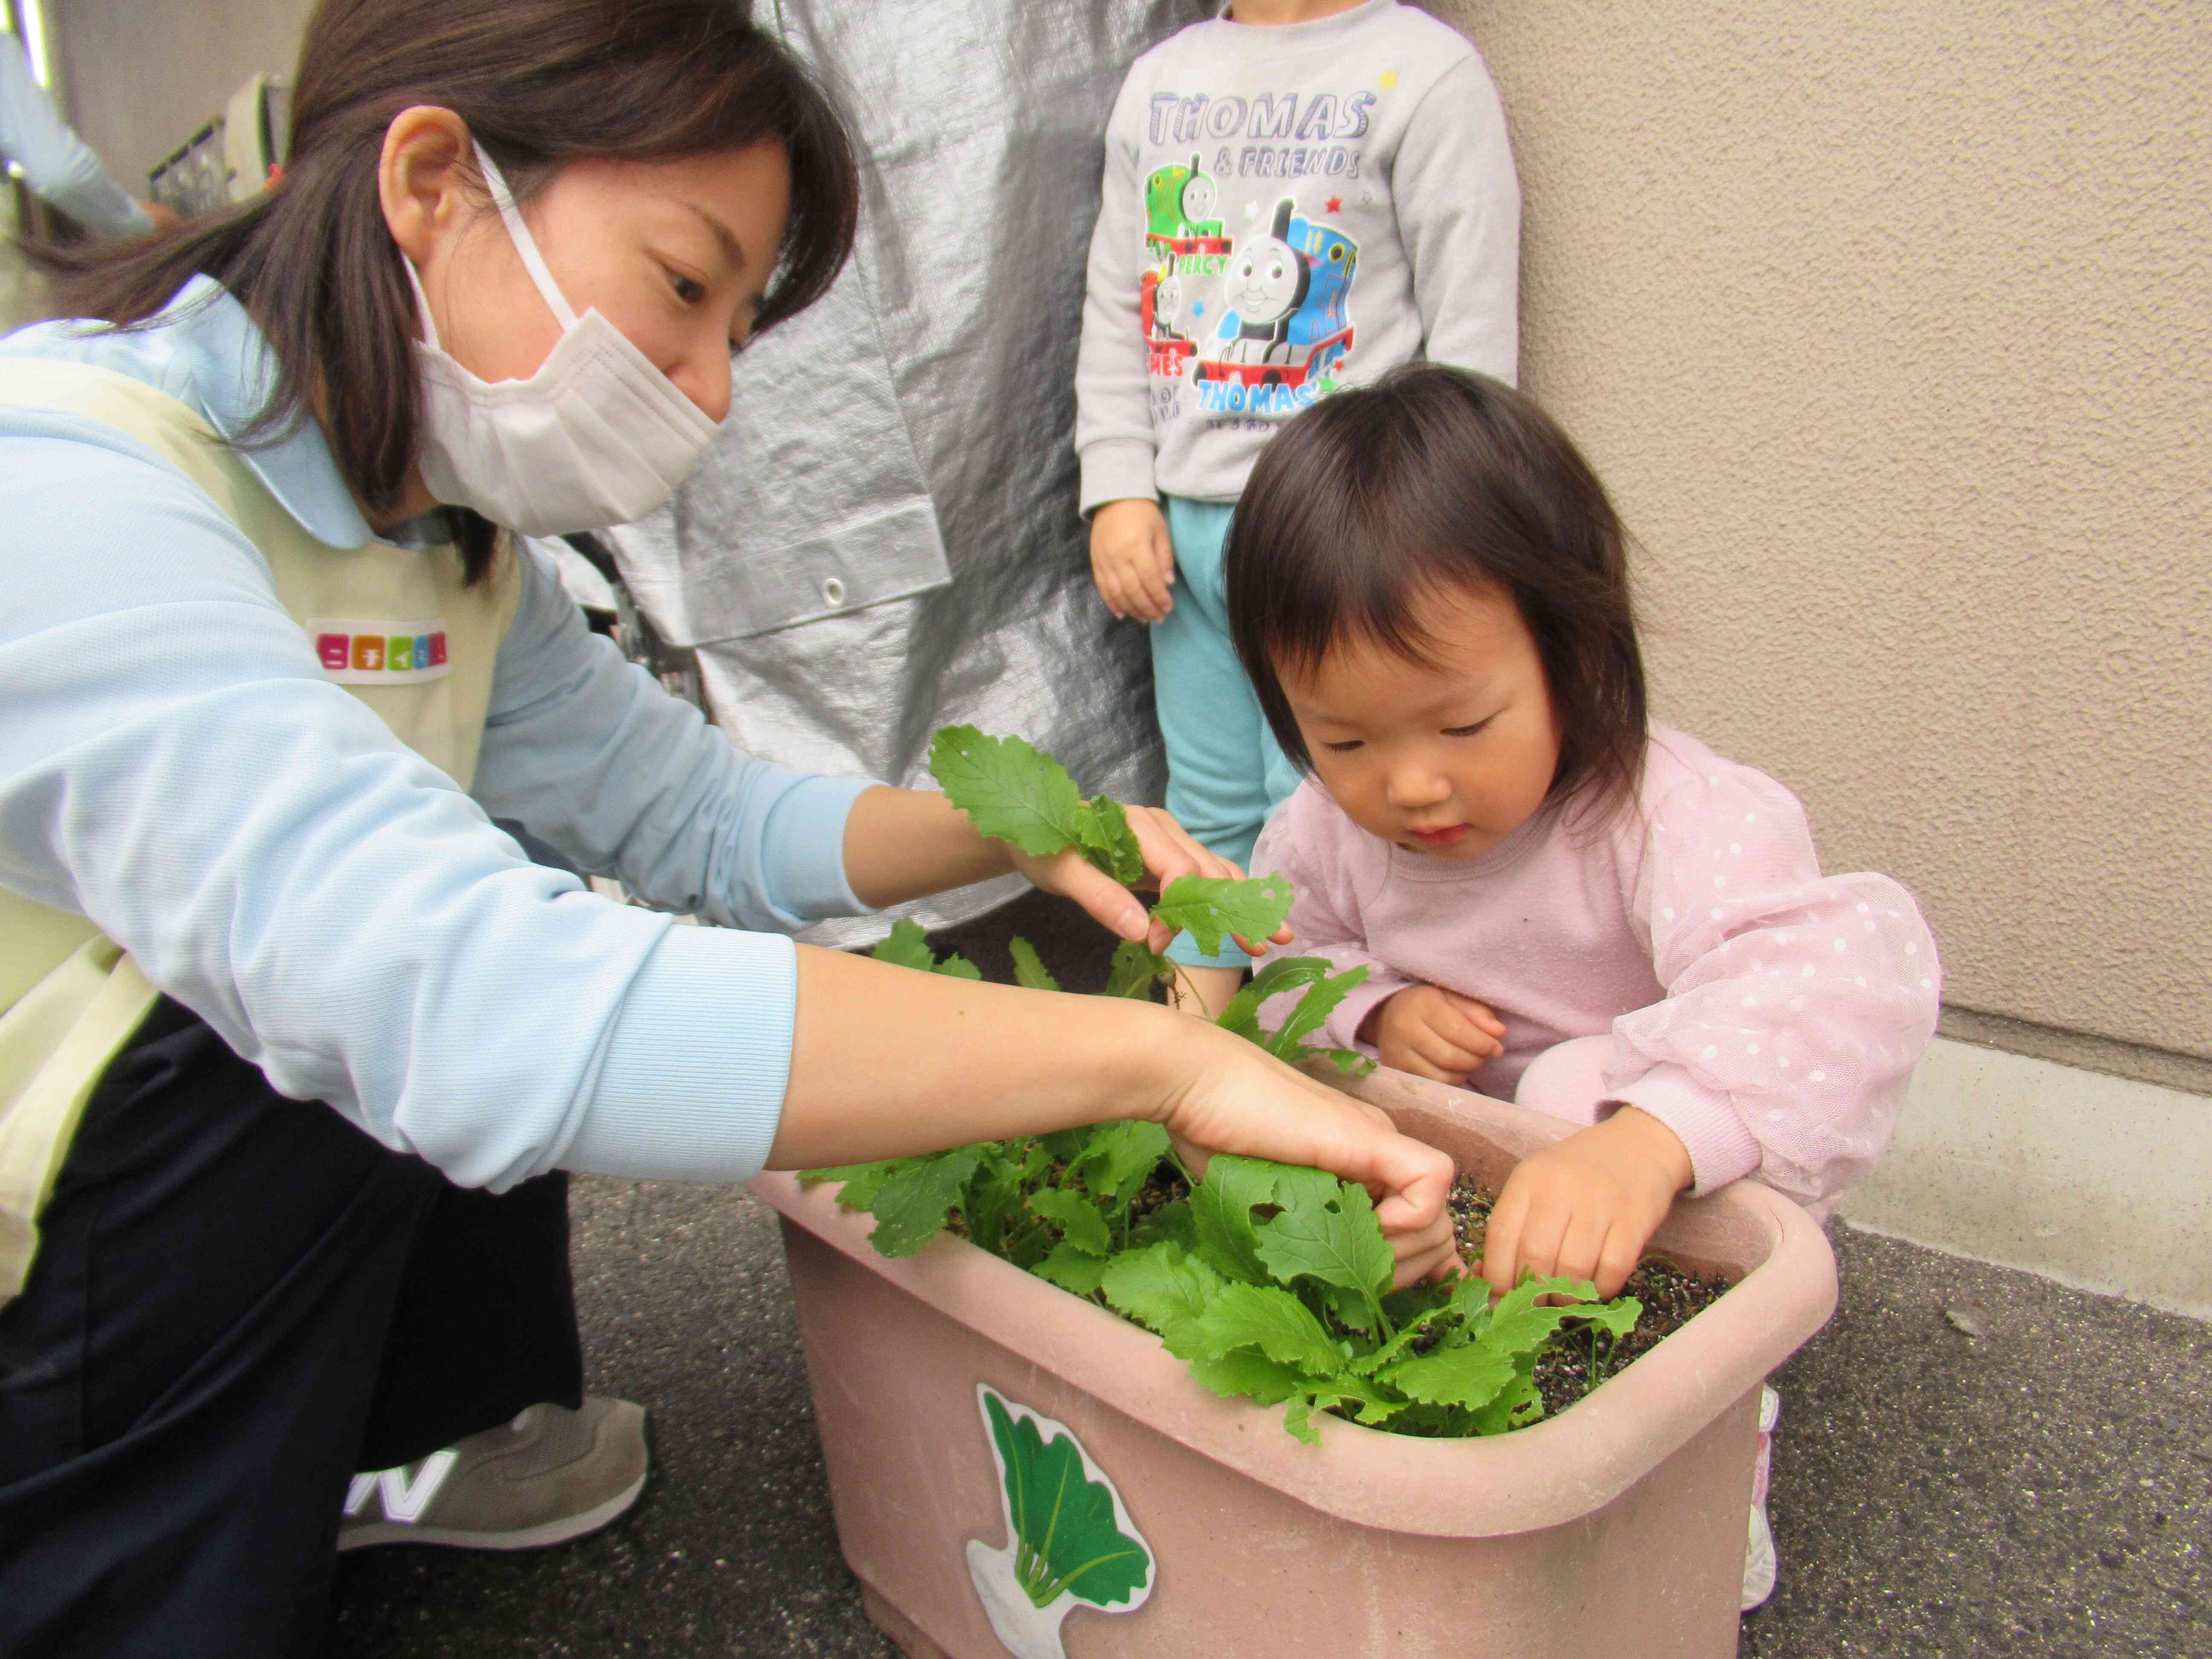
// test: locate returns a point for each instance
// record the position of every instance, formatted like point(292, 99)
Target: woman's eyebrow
point(723, 233)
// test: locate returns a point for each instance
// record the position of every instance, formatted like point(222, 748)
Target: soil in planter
point(1671, 1294)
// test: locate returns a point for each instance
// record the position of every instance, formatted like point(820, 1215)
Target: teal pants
point(1225, 770)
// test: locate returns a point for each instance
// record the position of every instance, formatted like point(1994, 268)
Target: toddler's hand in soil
point(1434, 1033)
point(1131, 559)
point(1586, 1207)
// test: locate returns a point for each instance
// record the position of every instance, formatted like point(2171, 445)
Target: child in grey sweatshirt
point(1299, 194)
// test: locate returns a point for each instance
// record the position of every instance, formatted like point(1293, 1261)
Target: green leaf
point(1169, 1222)
point(1119, 1160)
point(1471, 1376)
point(1617, 1318)
point(1103, 829)
point(1406, 1344)
point(1222, 1208)
point(991, 1206)
point(1136, 969)
point(1211, 907)
point(1081, 1226)
point(1268, 1381)
point(1071, 1269)
point(1336, 1240)
point(1373, 1406)
point(1066, 1145)
point(1030, 970)
point(1068, 1540)
point(1313, 1009)
point(1518, 1403)
point(907, 947)
point(1299, 1187)
point(1274, 1322)
point(860, 1180)
point(1350, 1308)
point(1008, 790)
point(911, 1203)
point(1416, 1302)
point(1518, 1326)
point(1297, 1419)
point(1350, 1061)
point(1164, 1288)
point(1241, 1015)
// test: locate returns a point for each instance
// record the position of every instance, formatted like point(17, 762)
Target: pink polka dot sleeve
point(1796, 1006)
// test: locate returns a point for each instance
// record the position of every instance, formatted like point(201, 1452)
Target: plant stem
point(1381, 1319)
point(1190, 988)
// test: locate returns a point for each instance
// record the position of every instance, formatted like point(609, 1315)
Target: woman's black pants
point(239, 1301)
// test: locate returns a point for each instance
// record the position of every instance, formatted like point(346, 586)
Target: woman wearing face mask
point(296, 1046)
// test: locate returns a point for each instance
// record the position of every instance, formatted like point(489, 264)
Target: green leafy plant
point(1272, 1282)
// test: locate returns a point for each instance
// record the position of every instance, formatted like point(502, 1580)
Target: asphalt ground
point(2043, 1487)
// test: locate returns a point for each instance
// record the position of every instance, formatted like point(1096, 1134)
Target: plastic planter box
point(1617, 1527)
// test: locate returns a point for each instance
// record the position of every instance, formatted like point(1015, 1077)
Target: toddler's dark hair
point(1434, 479)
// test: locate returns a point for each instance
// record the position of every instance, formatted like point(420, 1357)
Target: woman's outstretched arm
point(886, 1061)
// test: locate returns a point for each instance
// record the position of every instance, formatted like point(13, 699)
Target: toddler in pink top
point(1556, 901)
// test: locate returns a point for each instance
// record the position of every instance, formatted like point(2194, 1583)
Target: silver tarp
point(884, 537)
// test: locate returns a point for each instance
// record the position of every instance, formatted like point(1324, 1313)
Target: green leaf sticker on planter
point(1069, 1539)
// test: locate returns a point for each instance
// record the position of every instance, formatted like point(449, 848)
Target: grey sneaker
point(549, 1475)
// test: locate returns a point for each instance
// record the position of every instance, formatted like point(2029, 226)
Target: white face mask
point(598, 436)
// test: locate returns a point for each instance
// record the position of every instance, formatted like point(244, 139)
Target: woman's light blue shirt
point(174, 766)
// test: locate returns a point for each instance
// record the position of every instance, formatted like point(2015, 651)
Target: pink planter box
point(1620, 1522)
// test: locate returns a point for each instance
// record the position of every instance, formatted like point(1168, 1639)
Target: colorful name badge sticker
point(360, 653)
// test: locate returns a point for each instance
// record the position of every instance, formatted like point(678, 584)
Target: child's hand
point(1586, 1207)
point(1434, 1033)
point(1132, 560)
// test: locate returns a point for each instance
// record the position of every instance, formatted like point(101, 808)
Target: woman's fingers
point(1415, 1177)
point(1424, 1253)
point(1171, 850)
point(1167, 846)
point(1438, 1260)
point(1204, 861)
point(1072, 875)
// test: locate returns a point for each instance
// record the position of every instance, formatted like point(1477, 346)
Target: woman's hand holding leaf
point(1232, 1097)
point(1091, 851)
point(1166, 851)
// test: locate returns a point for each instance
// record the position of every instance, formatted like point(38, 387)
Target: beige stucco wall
point(1890, 325)
point(141, 76)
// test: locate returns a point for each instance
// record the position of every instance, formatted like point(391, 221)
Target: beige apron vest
point(70, 998)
